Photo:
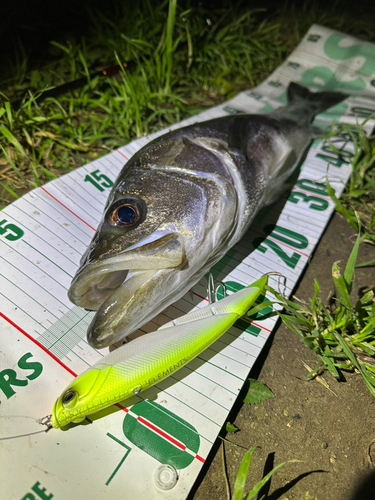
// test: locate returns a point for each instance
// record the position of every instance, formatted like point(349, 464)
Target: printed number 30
point(103, 180)
point(10, 232)
point(316, 203)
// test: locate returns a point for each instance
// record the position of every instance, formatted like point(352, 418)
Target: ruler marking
point(69, 221)
point(196, 370)
point(199, 392)
point(14, 249)
point(108, 169)
point(68, 209)
point(21, 330)
point(91, 198)
point(191, 408)
point(66, 193)
point(33, 281)
point(30, 297)
point(62, 337)
point(23, 310)
point(226, 355)
point(27, 229)
point(162, 433)
point(219, 368)
point(50, 230)
point(122, 154)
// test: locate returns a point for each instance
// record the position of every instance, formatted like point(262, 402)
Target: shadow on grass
point(268, 466)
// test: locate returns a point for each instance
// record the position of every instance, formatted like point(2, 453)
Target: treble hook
point(212, 288)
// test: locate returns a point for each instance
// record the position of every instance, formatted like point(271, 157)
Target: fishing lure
point(143, 362)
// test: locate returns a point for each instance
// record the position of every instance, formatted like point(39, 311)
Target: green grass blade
point(354, 361)
point(12, 164)
point(331, 367)
point(341, 286)
point(259, 307)
point(349, 269)
point(9, 114)
point(256, 489)
point(239, 484)
point(8, 135)
point(340, 207)
point(370, 263)
point(169, 42)
point(9, 190)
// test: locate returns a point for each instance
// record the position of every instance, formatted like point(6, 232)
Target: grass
point(257, 392)
point(239, 485)
point(358, 200)
point(180, 64)
point(183, 58)
point(342, 334)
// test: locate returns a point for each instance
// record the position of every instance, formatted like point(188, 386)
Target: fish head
point(158, 227)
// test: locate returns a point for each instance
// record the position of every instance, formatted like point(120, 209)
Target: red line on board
point(126, 410)
point(261, 327)
point(200, 296)
point(255, 324)
point(38, 344)
point(162, 433)
point(201, 459)
point(122, 154)
point(68, 209)
point(304, 191)
point(285, 245)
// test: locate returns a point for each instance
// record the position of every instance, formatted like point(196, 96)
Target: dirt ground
point(330, 434)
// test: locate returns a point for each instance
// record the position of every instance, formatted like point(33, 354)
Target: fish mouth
point(131, 305)
point(96, 281)
point(111, 285)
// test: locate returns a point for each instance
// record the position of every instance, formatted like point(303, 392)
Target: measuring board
point(43, 346)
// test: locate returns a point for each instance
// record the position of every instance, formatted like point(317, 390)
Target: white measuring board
point(43, 346)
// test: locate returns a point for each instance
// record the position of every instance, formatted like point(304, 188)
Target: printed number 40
point(100, 181)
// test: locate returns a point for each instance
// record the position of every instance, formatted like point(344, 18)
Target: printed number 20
point(283, 235)
point(100, 181)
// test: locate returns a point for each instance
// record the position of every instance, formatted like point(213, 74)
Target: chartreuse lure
point(136, 366)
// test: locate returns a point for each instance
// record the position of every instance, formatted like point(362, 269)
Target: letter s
point(25, 365)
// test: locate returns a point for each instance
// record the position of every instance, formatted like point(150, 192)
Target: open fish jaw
point(95, 283)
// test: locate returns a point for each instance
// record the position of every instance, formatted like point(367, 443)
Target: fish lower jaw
point(125, 309)
point(93, 292)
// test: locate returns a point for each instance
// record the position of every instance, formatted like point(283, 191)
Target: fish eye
point(125, 213)
point(68, 397)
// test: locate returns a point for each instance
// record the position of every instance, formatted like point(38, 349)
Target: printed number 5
point(13, 232)
point(97, 176)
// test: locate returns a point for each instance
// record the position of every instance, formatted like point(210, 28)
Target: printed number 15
point(103, 180)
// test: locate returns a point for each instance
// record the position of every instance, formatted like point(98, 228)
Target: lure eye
point(124, 213)
point(69, 396)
